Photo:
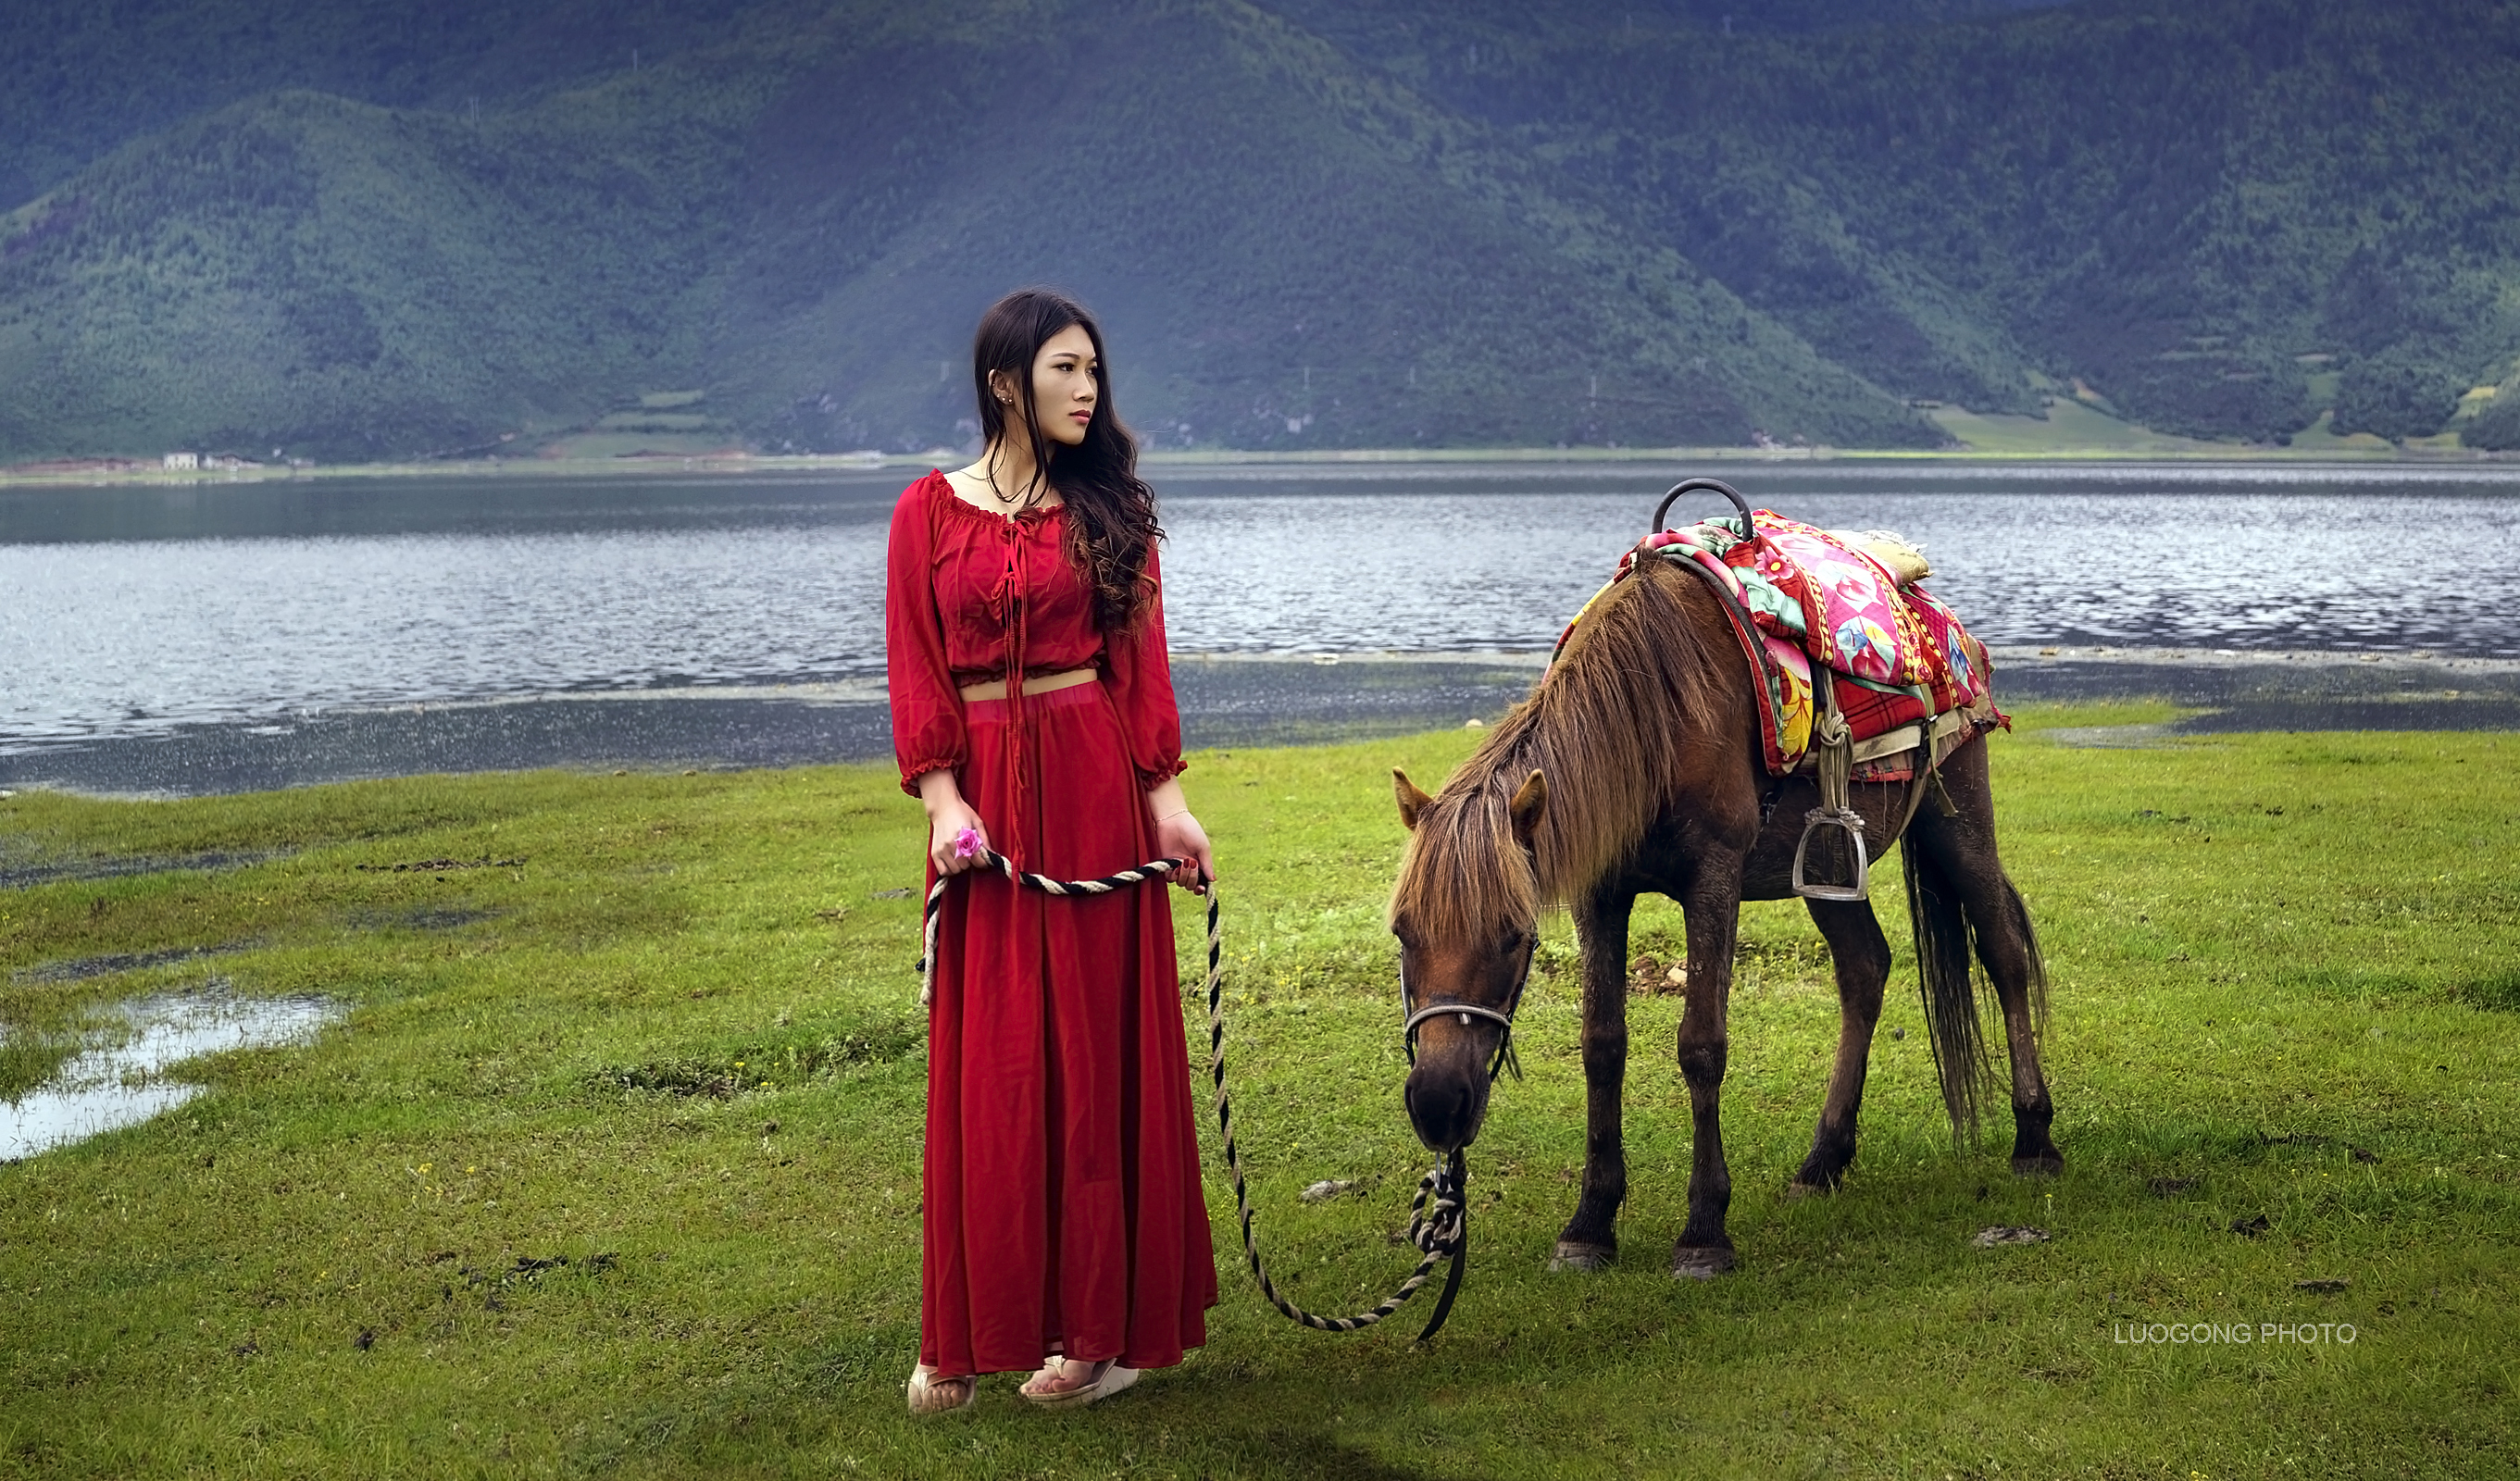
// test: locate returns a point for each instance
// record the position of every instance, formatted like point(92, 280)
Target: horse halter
point(1504, 1057)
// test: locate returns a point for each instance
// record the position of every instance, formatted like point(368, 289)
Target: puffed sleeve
point(1139, 674)
point(927, 708)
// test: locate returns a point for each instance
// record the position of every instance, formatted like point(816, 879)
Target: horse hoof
point(1582, 1259)
point(1701, 1262)
point(2046, 1164)
point(1811, 1179)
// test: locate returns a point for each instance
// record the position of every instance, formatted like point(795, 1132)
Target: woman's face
point(1066, 385)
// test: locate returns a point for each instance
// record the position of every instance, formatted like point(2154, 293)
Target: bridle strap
point(1468, 1011)
point(1506, 1059)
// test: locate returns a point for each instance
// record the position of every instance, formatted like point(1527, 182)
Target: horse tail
point(1952, 1025)
point(2021, 911)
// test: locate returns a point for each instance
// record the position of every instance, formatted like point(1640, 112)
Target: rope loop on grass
point(1439, 1216)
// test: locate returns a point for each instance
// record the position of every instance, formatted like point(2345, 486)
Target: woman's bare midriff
point(1038, 684)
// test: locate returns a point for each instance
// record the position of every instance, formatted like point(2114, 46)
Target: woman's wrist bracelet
point(1168, 816)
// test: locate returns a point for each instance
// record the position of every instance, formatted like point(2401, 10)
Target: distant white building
point(183, 462)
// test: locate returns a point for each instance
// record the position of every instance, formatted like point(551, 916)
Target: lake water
point(132, 612)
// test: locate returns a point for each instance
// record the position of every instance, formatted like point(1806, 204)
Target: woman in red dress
point(1064, 1233)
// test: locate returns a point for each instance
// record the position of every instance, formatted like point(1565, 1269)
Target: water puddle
point(20, 875)
point(124, 1083)
point(84, 968)
point(2114, 736)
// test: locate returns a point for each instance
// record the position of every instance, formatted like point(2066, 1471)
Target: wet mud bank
point(1225, 702)
point(2278, 690)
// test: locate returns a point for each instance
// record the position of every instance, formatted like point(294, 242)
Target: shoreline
point(1228, 700)
point(2145, 656)
point(116, 472)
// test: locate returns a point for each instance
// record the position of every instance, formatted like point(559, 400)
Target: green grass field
point(2287, 986)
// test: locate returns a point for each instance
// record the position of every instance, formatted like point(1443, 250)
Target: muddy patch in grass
point(436, 919)
point(529, 1268)
point(2496, 994)
point(81, 968)
point(785, 1061)
point(26, 876)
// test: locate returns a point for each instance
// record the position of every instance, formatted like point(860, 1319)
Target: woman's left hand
point(1180, 837)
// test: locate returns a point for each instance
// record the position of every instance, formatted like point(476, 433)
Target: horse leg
point(1713, 905)
point(1590, 1240)
point(1860, 956)
point(1964, 846)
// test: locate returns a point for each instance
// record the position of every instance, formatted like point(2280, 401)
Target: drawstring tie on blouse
point(1007, 603)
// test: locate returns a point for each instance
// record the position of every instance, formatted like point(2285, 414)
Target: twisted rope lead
point(1438, 1217)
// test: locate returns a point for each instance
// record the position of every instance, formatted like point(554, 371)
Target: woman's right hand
point(945, 828)
point(948, 818)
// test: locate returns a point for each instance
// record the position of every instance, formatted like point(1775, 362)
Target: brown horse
point(1636, 766)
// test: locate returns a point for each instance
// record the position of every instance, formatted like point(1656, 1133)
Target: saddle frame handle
point(1662, 511)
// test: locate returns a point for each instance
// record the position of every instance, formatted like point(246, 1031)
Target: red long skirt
point(1063, 1203)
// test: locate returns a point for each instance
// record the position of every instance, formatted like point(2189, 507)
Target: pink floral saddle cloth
point(1902, 665)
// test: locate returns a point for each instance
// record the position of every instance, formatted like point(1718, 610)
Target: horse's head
point(1466, 910)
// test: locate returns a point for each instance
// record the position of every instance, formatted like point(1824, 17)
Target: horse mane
point(1608, 728)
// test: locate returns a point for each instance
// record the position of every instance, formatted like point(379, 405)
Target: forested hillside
point(349, 231)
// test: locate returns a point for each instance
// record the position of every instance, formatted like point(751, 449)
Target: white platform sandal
point(1109, 1378)
point(927, 1392)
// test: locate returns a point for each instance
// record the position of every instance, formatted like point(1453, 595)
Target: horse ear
point(1529, 803)
point(1412, 800)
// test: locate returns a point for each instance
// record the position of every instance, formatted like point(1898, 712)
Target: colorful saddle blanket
point(1896, 654)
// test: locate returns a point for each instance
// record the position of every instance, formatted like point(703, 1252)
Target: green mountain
point(348, 231)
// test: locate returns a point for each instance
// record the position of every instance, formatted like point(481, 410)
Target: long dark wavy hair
point(1112, 526)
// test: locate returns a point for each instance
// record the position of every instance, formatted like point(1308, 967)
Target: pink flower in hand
point(966, 843)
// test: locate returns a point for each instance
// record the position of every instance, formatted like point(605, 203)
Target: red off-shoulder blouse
point(950, 622)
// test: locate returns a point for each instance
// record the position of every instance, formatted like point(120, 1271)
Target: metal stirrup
point(1852, 824)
